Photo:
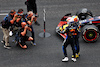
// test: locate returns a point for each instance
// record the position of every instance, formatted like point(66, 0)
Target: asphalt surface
point(48, 51)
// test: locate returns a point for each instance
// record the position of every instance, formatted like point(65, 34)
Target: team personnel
point(22, 35)
point(6, 23)
point(29, 19)
point(32, 6)
point(71, 31)
point(16, 21)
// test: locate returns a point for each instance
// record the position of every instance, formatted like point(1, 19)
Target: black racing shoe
point(36, 23)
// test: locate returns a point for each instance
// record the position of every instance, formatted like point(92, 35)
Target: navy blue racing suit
point(70, 39)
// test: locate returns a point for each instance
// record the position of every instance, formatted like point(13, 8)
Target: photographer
point(29, 19)
point(18, 18)
point(6, 23)
point(32, 6)
point(16, 21)
point(22, 35)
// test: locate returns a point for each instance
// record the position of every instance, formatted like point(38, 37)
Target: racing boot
point(73, 59)
point(65, 59)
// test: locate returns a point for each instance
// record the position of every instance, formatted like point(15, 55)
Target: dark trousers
point(66, 42)
point(23, 39)
point(77, 47)
point(33, 35)
point(32, 8)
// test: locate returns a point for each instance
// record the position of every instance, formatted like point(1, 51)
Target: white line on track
point(1, 14)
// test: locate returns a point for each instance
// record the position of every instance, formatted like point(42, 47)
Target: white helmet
point(69, 19)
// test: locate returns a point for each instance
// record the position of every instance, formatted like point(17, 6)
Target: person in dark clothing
point(71, 38)
point(29, 19)
point(22, 37)
point(6, 23)
point(76, 37)
point(32, 6)
point(77, 47)
point(16, 21)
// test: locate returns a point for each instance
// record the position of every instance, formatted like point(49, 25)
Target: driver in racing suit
point(71, 38)
point(76, 37)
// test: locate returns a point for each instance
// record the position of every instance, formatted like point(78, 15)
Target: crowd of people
point(22, 22)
